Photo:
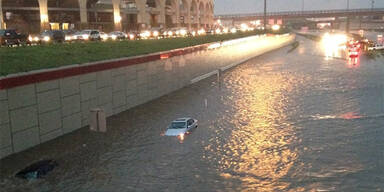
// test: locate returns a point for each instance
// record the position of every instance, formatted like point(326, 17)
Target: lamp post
point(265, 15)
point(373, 4)
point(347, 24)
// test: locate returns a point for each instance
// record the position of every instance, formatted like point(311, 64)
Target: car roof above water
point(184, 119)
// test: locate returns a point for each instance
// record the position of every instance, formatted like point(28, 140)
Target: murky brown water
point(280, 122)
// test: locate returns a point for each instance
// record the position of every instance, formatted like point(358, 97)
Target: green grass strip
point(28, 58)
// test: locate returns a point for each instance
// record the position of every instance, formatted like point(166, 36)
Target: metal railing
point(302, 13)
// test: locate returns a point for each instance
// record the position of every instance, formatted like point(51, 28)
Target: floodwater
point(295, 121)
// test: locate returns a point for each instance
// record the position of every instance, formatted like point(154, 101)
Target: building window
point(55, 26)
point(65, 26)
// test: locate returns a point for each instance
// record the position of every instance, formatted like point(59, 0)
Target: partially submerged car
point(181, 126)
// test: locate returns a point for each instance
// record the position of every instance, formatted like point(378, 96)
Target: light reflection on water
point(261, 139)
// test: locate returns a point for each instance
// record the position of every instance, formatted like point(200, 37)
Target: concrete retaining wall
point(33, 113)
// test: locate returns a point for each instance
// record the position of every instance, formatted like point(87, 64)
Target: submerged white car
point(181, 126)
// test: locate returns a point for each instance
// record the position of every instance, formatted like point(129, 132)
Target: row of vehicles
point(10, 37)
point(60, 36)
point(355, 48)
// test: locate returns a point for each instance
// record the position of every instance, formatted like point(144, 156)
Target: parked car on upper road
point(52, 36)
point(117, 35)
point(104, 36)
point(10, 37)
point(69, 34)
point(91, 35)
point(134, 35)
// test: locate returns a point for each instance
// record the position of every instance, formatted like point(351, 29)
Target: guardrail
point(125, 10)
point(299, 13)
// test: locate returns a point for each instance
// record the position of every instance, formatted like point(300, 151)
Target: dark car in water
point(9, 37)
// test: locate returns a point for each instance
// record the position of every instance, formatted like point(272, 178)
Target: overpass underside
point(300, 17)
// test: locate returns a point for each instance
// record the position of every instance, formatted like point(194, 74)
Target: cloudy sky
point(251, 6)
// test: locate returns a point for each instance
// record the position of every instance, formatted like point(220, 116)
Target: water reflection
point(257, 150)
point(353, 62)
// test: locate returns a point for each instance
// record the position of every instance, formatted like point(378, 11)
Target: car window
point(2, 32)
point(11, 32)
point(178, 125)
point(45, 33)
point(86, 32)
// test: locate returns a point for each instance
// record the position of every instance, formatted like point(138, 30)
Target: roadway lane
point(295, 121)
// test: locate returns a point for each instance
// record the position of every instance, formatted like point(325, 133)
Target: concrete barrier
point(39, 106)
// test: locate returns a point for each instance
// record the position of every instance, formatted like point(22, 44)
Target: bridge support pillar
point(161, 16)
point(83, 14)
point(176, 16)
point(116, 14)
point(2, 24)
point(188, 20)
point(142, 16)
point(44, 20)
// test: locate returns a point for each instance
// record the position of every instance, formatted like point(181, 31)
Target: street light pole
point(347, 24)
point(373, 4)
point(265, 15)
point(302, 6)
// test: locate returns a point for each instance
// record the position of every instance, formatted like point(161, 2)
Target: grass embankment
point(28, 58)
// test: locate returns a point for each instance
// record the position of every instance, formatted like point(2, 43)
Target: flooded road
point(295, 121)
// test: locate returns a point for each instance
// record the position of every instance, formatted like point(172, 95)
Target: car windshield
point(85, 32)
point(178, 125)
point(46, 33)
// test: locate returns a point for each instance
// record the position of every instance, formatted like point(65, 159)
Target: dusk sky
point(252, 6)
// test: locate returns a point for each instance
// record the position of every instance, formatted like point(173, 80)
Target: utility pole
point(347, 24)
point(302, 6)
point(265, 15)
point(373, 4)
point(382, 98)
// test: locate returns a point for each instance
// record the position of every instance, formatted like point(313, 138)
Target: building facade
point(33, 16)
